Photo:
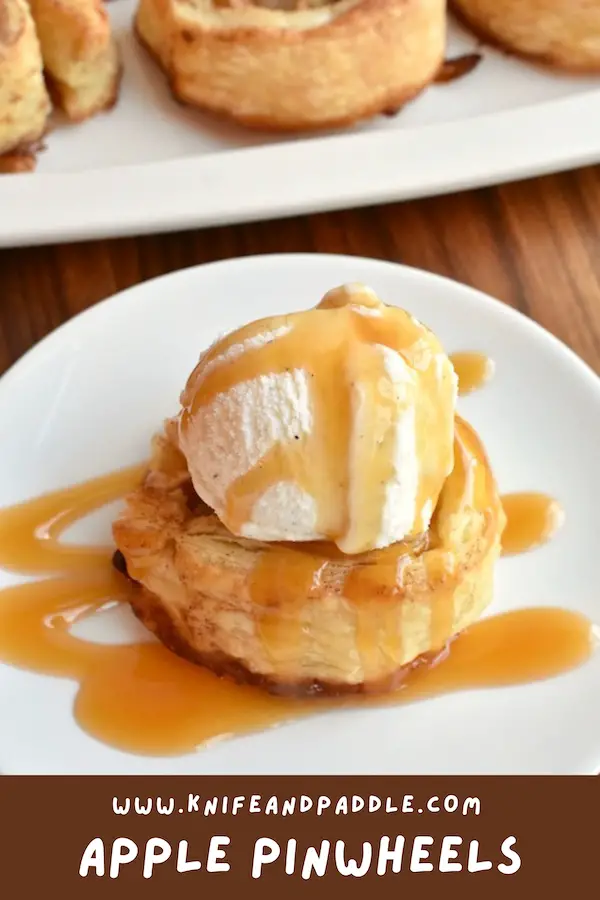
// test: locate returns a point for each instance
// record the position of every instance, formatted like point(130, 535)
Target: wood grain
point(535, 245)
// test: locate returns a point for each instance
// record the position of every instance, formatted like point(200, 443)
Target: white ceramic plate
point(87, 399)
point(152, 165)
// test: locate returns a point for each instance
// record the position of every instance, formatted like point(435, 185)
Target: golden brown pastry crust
point(560, 33)
point(21, 159)
point(195, 585)
point(24, 101)
point(80, 55)
point(322, 67)
point(152, 613)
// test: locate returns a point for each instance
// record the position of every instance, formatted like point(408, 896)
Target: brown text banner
point(421, 837)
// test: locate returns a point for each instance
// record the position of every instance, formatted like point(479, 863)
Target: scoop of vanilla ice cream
point(335, 424)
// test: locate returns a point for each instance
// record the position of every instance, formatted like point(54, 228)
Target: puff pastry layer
point(300, 618)
point(321, 65)
point(561, 33)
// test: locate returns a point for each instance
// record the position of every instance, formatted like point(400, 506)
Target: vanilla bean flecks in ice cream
point(336, 423)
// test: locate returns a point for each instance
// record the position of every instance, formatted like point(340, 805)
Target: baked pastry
point(80, 55)
point(295, 64)
point(24, 101)
point(561, 33)
point(301, 618)
point(316, 518)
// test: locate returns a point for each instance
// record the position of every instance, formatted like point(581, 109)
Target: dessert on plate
point(316, 518)
point(295, 64)
point(52, 52)
point(24, 101)
point(80, 55)
point(562, 33)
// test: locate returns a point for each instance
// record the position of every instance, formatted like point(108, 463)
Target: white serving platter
point(153, 165)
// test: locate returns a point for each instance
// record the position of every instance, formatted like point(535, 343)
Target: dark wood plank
point(535, 245)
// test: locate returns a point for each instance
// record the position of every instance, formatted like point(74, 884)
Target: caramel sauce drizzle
point(338, 348)
point(532, 519)
point(285, 576)
point(474, 370)
point(144, 699)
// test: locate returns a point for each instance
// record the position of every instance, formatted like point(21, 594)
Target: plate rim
point(235, 183)
point(129, 293)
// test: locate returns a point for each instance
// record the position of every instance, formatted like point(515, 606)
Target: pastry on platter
point(561, 33)
point(80, 55)
point(24, 101)
point(295, 64)
point(317, 517)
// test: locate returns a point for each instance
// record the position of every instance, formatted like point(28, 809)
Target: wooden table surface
point(533, 244)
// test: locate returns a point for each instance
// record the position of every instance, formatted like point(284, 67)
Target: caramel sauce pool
point(144, 699)
point(531, 519)
point(474, 370)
